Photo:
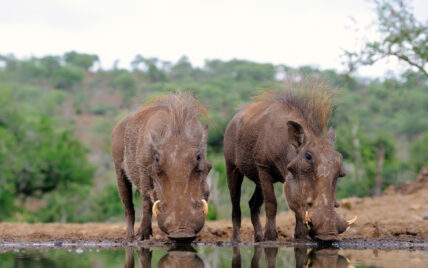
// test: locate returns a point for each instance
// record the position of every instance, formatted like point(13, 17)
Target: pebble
point(425, 216)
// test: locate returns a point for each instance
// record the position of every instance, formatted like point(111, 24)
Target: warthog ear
point(204, 139)
point(149, 148)
point(205, 134)
point(296, 134)
point(331, 136)
point(149, 141)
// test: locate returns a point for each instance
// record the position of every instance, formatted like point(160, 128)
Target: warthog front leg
point(125, 192)
point(301, 231)
point(234, 181)
point(255, 203)
point(270, 204)
point(145, 229)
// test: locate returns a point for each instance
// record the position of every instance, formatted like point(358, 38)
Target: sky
point(294, 33)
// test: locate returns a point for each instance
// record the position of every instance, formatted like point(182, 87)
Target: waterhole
point(214, 255)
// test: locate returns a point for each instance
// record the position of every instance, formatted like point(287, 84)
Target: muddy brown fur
point(280, 138)
point(161, 150)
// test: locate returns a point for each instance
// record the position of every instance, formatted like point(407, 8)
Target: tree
point(182, 69)
point(401, 37)
point(65, 77)
point(81, 60)
point(150, 66)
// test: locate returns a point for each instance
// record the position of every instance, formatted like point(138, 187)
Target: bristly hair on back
point(182, 107)
point(312, 97)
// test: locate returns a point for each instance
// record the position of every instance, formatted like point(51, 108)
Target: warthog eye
point(198, 162)
point(308, 156)
point(156, 154)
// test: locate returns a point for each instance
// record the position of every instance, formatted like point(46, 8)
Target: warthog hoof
point(271, 235)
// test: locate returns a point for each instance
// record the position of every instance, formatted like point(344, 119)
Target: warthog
point(161, 149)
point(278, 138)
point(176, 257)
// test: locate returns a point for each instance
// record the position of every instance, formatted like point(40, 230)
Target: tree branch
point(406, 59)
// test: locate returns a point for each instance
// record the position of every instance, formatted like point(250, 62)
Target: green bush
point(38, 154)
point(419, 153)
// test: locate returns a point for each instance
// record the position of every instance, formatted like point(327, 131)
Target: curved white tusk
point(307, 220)
point(155, 209)
point(350, 222)
point(205, 207)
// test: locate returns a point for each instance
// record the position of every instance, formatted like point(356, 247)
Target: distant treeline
point(57, 113)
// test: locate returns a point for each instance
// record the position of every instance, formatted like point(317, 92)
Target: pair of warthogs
point(161, 149)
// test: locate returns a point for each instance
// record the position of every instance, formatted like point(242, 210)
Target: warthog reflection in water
point(187, 257)
point(176, 257)
point(255, 261)
point(319, 258)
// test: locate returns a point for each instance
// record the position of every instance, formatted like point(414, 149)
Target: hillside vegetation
point(57, 113)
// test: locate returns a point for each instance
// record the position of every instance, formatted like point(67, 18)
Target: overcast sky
point(295, 33)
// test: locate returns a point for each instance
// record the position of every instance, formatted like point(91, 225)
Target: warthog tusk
point(307, 220)
point(205, 207)
point(155, 209)
point(350, 222)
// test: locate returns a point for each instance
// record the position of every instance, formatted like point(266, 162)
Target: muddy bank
point(391, 217)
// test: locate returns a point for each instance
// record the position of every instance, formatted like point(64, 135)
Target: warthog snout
point(180, 220)
point(204, 208)
point(326, 227)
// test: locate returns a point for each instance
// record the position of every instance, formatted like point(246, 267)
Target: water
point(211, 256)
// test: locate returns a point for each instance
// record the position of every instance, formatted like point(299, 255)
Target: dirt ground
point(398, 214)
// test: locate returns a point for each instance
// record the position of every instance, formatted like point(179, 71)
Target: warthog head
point(311, 184)
point(179, 169)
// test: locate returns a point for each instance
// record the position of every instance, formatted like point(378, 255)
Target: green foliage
point(123, 81)
point(212, 212)
point(419, 153)
point(67, 76)
point(151, 67)
point(401, 36)
point(107, 204)
point(41, 158)
point(363, 152)
point(37, 155)
point(101, 108)
point(81, 60)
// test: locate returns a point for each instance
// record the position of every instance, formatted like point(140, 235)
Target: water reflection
point(209, 256)
point(179, 256)
point(270, 254)
point(319, 258)
point(186, 256)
